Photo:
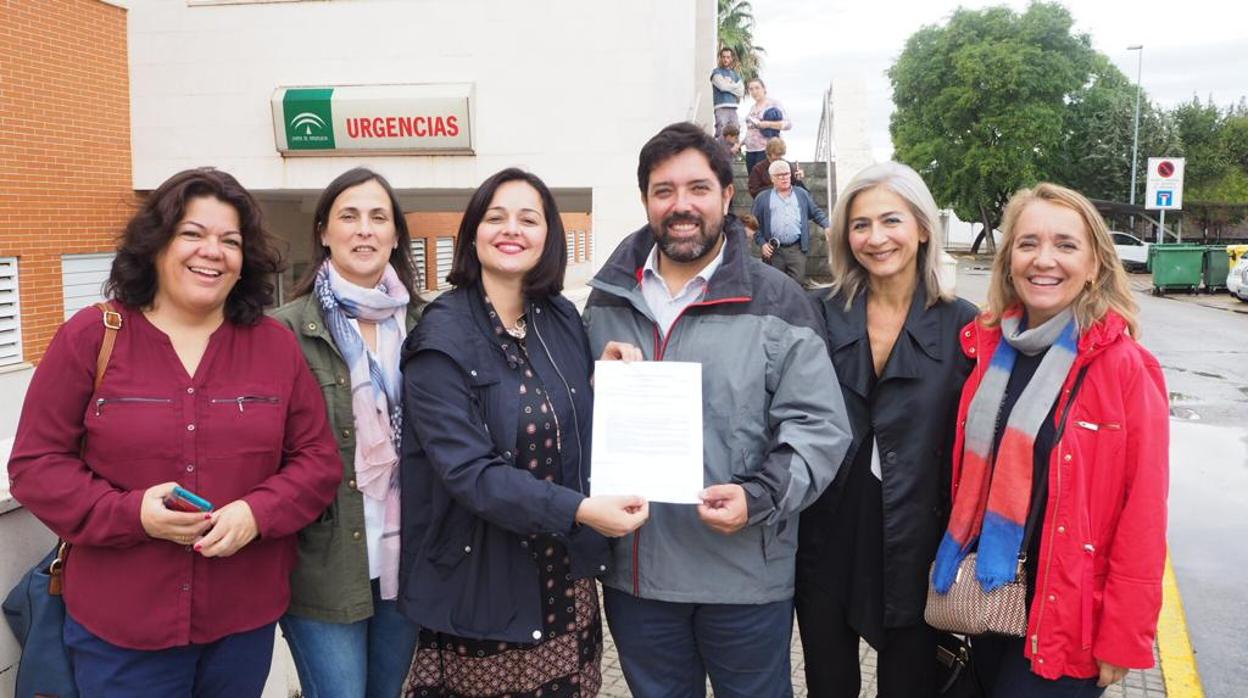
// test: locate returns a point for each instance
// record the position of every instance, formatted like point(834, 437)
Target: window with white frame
point(10, 313)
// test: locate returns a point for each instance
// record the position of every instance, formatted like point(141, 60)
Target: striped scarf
point(376, 384)
point(994, 490)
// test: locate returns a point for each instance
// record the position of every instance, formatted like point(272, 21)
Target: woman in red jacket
point(1064, 424)
point(201, 391)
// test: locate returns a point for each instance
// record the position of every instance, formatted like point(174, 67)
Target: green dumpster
point(1176, 266)
point(1216, 266)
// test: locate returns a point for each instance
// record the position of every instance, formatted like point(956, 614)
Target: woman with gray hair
point(866, 544)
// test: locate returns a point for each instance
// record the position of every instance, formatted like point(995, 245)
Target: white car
point(1237, 279)
point(1131, 250)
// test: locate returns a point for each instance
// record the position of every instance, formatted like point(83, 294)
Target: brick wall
point(65, 182)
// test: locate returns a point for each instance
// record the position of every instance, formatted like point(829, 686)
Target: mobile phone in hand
point(181, 499)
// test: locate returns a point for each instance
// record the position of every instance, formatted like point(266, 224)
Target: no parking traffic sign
point(1165, 184)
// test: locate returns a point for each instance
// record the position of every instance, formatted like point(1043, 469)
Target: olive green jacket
point(330, 582)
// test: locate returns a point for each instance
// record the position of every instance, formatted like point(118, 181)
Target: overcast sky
point(1190, 47)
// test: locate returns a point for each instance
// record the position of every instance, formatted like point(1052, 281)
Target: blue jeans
point(236, 666)
point(1006, 673)
point(667, 649)
point(366, 659)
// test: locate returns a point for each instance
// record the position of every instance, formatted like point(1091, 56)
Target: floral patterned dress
point(565, 662)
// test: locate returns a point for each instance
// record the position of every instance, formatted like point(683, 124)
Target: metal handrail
point(825, 143)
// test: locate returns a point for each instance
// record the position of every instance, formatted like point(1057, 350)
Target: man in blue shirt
point(782, 212)
point(728, 89)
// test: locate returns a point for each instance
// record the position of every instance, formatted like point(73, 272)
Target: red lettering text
point(403, 127)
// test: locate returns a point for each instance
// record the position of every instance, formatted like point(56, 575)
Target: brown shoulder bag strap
point(112, 323)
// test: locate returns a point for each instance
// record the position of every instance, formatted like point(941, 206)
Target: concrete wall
point(567, 89)
point(850, 132)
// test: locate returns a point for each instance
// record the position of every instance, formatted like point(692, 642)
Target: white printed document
point(648, 430)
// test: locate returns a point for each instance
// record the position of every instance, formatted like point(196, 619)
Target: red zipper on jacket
point(660, 348)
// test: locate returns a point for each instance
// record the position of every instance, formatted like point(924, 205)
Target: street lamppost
point(1135, 138)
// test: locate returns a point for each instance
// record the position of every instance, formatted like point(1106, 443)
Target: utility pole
point(1135, 138)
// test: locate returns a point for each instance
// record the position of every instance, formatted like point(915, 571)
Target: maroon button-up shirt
point(250, 424)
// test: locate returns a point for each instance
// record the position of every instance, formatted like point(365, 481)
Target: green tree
point(1215, 183)
point(981, 103)
point(736, 31)
point(1234, 139)
point(1200, 126)
point(1095, 156)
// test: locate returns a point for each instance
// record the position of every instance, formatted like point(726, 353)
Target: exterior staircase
point(816, 182)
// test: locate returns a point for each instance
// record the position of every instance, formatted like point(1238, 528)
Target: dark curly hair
point(133, 279)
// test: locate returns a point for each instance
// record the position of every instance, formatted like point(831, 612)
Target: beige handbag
point(969, 610)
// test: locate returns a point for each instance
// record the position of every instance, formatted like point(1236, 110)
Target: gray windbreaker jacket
point(773, 421)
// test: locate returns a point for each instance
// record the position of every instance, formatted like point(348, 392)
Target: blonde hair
point(848, 275)
point(1110, 290)
point(775, 147)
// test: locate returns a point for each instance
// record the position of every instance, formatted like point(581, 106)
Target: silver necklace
point(519, 330)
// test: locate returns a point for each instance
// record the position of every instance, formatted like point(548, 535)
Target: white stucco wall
point(850, 128)
point(567, 89)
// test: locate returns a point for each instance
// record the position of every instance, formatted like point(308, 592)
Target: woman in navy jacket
point(500, 540)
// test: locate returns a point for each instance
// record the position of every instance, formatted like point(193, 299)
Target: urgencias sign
point(375, 119)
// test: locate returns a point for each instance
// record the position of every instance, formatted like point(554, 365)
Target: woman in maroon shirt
point(201, 391)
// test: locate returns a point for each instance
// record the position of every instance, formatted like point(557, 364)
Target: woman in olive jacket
point(351, 313)
point(866, 544)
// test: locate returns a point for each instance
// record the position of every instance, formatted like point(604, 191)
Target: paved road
point(1204, 351)
point(1202, 344)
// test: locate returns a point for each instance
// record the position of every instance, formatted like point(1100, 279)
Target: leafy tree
point(981, 103)
point(1216, 177)
point(736, 31)
point(1199, 126)
point(1095, 156)
point(1234, 139)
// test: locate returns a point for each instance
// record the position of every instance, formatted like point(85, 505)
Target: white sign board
point(1165, 184)
point(373, 119)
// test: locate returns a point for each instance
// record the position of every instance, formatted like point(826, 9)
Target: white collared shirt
point(663, 305)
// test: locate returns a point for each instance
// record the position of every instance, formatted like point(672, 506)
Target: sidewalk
point(1138, 684)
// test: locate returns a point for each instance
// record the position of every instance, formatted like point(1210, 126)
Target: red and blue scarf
point(994, 490)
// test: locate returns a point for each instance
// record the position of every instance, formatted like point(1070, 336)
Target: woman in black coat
point(500, 543)
point(865, 546)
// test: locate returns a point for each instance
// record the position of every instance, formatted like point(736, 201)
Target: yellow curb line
point(1178, 661)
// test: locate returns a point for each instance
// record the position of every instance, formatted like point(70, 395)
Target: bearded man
point(707, 589)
